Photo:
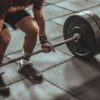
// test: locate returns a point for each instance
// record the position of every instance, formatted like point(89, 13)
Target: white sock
point(25, 61)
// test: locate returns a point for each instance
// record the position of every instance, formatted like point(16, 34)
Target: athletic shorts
point(12, 18)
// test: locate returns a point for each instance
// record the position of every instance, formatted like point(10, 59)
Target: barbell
point(81, 33)
point(74, 37)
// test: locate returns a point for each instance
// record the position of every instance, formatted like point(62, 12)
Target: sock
point(25, 61)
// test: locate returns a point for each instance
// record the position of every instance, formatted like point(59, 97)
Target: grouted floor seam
point(78, 10)
point(63, 89)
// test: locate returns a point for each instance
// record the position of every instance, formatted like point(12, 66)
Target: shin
point(4, 41)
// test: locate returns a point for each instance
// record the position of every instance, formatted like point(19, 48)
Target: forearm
point(41, 24)
point(39, 17)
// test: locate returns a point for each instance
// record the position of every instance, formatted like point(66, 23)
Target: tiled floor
point(65, 77)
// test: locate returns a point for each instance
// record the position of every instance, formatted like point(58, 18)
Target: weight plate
point(82, 24)
point(97, 21)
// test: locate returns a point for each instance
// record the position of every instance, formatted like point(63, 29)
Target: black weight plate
point(85, 48)
point(97, 21)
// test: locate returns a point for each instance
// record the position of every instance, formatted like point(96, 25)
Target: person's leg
point(23, 20)
point(4, 41)
point(30, 27)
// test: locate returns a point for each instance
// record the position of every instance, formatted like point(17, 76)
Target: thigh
point(28, 25)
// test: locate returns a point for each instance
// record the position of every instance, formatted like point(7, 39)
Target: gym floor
point(65, 77)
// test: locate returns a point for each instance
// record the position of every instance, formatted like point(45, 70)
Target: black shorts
point(13, 18)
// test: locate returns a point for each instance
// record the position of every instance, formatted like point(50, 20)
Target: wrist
point(43, 39)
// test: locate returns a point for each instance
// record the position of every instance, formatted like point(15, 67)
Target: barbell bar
point(81, 33)
point(75, 37)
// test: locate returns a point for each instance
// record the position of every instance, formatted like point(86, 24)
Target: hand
point(47, 47)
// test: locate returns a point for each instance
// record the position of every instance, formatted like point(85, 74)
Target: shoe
point(29, 71)
point(4, 89)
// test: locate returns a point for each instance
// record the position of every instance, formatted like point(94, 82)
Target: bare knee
point(5, 36)
point(7, 40)
point(33, 32)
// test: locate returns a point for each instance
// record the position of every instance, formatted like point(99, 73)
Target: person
point(13, 13)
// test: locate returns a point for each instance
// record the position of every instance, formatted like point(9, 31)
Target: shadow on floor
point(90, 72)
